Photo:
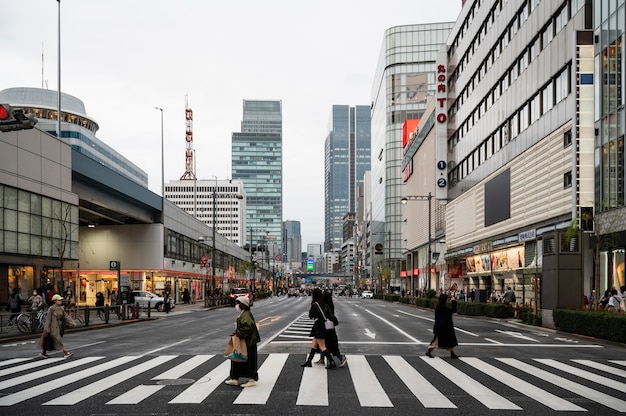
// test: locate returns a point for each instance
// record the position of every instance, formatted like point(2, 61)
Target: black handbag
point(48, 344)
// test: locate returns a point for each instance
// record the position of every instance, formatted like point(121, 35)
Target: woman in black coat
point(319, 311)
point(444, 338)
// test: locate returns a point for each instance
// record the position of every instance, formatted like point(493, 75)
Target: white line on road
point(406, 334)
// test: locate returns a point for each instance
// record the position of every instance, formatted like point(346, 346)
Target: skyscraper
point(346, 159)
point(292, 242)
point(257, 160)
point(405, 77)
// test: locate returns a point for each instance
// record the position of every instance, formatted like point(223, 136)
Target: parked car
point(367, 294)
point(240, 291)
point(145, 298)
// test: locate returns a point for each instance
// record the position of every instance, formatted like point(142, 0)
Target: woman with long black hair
point(320, 312)
point(444, 336)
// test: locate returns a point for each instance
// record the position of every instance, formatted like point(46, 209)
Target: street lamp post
point(213, 246)
point(162, 157)
point(428, 198)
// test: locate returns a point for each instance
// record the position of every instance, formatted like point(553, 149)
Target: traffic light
point(15, 119)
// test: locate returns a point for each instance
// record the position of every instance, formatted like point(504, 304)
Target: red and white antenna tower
point(189, 171)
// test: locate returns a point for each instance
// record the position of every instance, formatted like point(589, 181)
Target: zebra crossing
point(562, 386)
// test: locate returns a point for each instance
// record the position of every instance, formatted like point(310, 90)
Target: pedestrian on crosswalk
point(247, 330)
point(444, 336)
point(332, 342)
point(319, 311)
point(56, 320)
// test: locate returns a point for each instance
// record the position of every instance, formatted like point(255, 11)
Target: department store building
point(520, 132)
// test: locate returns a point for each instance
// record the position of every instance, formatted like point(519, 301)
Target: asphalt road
point(174, 365)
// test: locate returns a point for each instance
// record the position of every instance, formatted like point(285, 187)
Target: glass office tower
point(346, 159)
point(404, 78)
point(257, 160)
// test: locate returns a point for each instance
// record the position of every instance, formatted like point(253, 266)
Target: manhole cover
point(176, 381)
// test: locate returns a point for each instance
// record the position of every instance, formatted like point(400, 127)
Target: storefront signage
point(441, 125)
point(527, 235)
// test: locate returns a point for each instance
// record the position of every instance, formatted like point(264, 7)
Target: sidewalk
point(14, 335)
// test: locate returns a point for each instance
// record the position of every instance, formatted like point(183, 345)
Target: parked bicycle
point(24, 321)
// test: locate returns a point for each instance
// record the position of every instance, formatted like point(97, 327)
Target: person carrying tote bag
point(318, 332)
point(248, 332)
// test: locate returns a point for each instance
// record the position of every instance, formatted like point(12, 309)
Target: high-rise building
point(610, 125)
point(347, 156)
point(257, 160)
point(404, 78)
point(292, 242)
point(513, 139)
point(227, 212)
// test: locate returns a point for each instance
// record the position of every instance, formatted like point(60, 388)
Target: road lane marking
point(56, 383)
point(183, 368)
point(13, 361)
point(370, 334)
point(602, 380)
point(313, 389)
point(137, 394)
point(406, 334)
point(28, 366)
point(99, 386)
point(486, 396)
point(516, 334)
point(548, 399)
point(368, 388)
point(562, 382)
point(268, 372)
point(421, 388)
point(201, 389)
point(46, 372)
point(433, 320)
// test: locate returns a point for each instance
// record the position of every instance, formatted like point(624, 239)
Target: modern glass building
point(292, 238)
point(347, 155)
point(76, 127)
point(610, 122)
point(257, 160)
point(404, 78)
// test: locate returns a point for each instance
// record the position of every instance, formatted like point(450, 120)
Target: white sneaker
point(232, 382)
point(249, 383)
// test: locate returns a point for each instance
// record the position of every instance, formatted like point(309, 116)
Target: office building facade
point(227, 212)
point(514, 135)
point(347, 153)
point(292, 242)
point(404, 78)
point(257, 161)
point(609, 126)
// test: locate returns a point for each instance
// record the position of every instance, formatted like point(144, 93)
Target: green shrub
point(598, 324)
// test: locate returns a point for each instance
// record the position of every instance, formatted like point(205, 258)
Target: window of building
point(567, 138)
point(567, 179)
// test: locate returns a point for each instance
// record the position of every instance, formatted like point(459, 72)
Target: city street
point(174, 365)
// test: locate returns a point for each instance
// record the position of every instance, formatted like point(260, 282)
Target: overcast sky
point(124, 57)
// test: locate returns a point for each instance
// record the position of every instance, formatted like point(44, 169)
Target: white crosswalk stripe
point(591, 394)
point(25, 379)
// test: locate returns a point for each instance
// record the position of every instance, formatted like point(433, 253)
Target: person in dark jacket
point(247, 330)
point(319, 311)
point(332, 343)
point(444, 336)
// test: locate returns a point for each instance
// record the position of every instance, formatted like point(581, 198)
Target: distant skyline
point(124, 58)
